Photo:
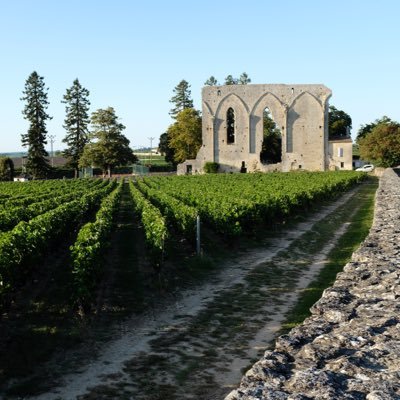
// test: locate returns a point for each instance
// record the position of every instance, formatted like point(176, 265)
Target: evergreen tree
point(244, 79)
point(111, 148)
point(230, 80)
point(182, 99)
point(35, 96)
point(76, 123)
point(211, 81)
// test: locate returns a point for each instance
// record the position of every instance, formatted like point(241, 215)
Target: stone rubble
point(350, 346)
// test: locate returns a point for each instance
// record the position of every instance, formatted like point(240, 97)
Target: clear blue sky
point(131, 54)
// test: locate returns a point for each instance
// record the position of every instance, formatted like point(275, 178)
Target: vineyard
point(77, 257)
point(35, 216)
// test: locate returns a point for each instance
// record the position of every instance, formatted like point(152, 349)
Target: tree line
point(103, 146)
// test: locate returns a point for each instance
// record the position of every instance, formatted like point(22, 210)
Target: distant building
point(22, 178)
point(340, 153)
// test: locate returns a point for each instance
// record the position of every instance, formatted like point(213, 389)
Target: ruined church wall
point(350, 346)
point(305, 135)
point(299, 111)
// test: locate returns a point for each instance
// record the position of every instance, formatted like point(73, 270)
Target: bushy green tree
point(6, 169)
point(367, 128)
point(271, 150)
point(182, 98)
point(35, 96)
point(111, 147)
point(76, 123)
point(165, 149)
point(184, 136)
point(339, 123)
point(382, 145)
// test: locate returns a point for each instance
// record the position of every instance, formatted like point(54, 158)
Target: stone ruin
point(350, 346)
point(232, 136)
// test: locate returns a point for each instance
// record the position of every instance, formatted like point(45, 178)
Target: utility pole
point(51, 138)
point(151, 146)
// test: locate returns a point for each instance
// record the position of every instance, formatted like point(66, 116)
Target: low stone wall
point(350, 347)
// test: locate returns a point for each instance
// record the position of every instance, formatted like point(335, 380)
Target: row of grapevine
point(89, 247)
point(12, 189)
point(154, 223)
point(37, 193)
point(231, 204)
point(10, 216)
point(177, 213)
point(26, 243)
point(221, 212)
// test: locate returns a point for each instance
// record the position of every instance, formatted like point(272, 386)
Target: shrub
point(211, 167)
point(6, 169)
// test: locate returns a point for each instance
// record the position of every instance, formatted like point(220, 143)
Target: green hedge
point(211, 167)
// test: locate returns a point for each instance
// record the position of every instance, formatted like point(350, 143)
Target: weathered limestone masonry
point(232, 136)
point(350, 347)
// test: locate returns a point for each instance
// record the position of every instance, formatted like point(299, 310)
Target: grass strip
point(338, 257)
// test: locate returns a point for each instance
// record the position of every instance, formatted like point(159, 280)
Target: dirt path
point(198, 345)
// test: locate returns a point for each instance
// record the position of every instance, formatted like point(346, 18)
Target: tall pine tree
point(76, 123)
point(211, 81)
point(230, 80)
point(35, 96)
point(182, 99)
point(244, 79)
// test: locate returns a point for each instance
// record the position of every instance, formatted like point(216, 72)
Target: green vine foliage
point(34, 215)
point(154, 223)
point(89, 247)
point(22, 247)
point(234, 204)
point(178, 214)
point(24, 209)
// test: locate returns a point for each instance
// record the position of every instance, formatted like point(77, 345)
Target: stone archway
point(271, 146)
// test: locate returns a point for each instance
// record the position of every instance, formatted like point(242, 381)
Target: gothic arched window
point(230, 126)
